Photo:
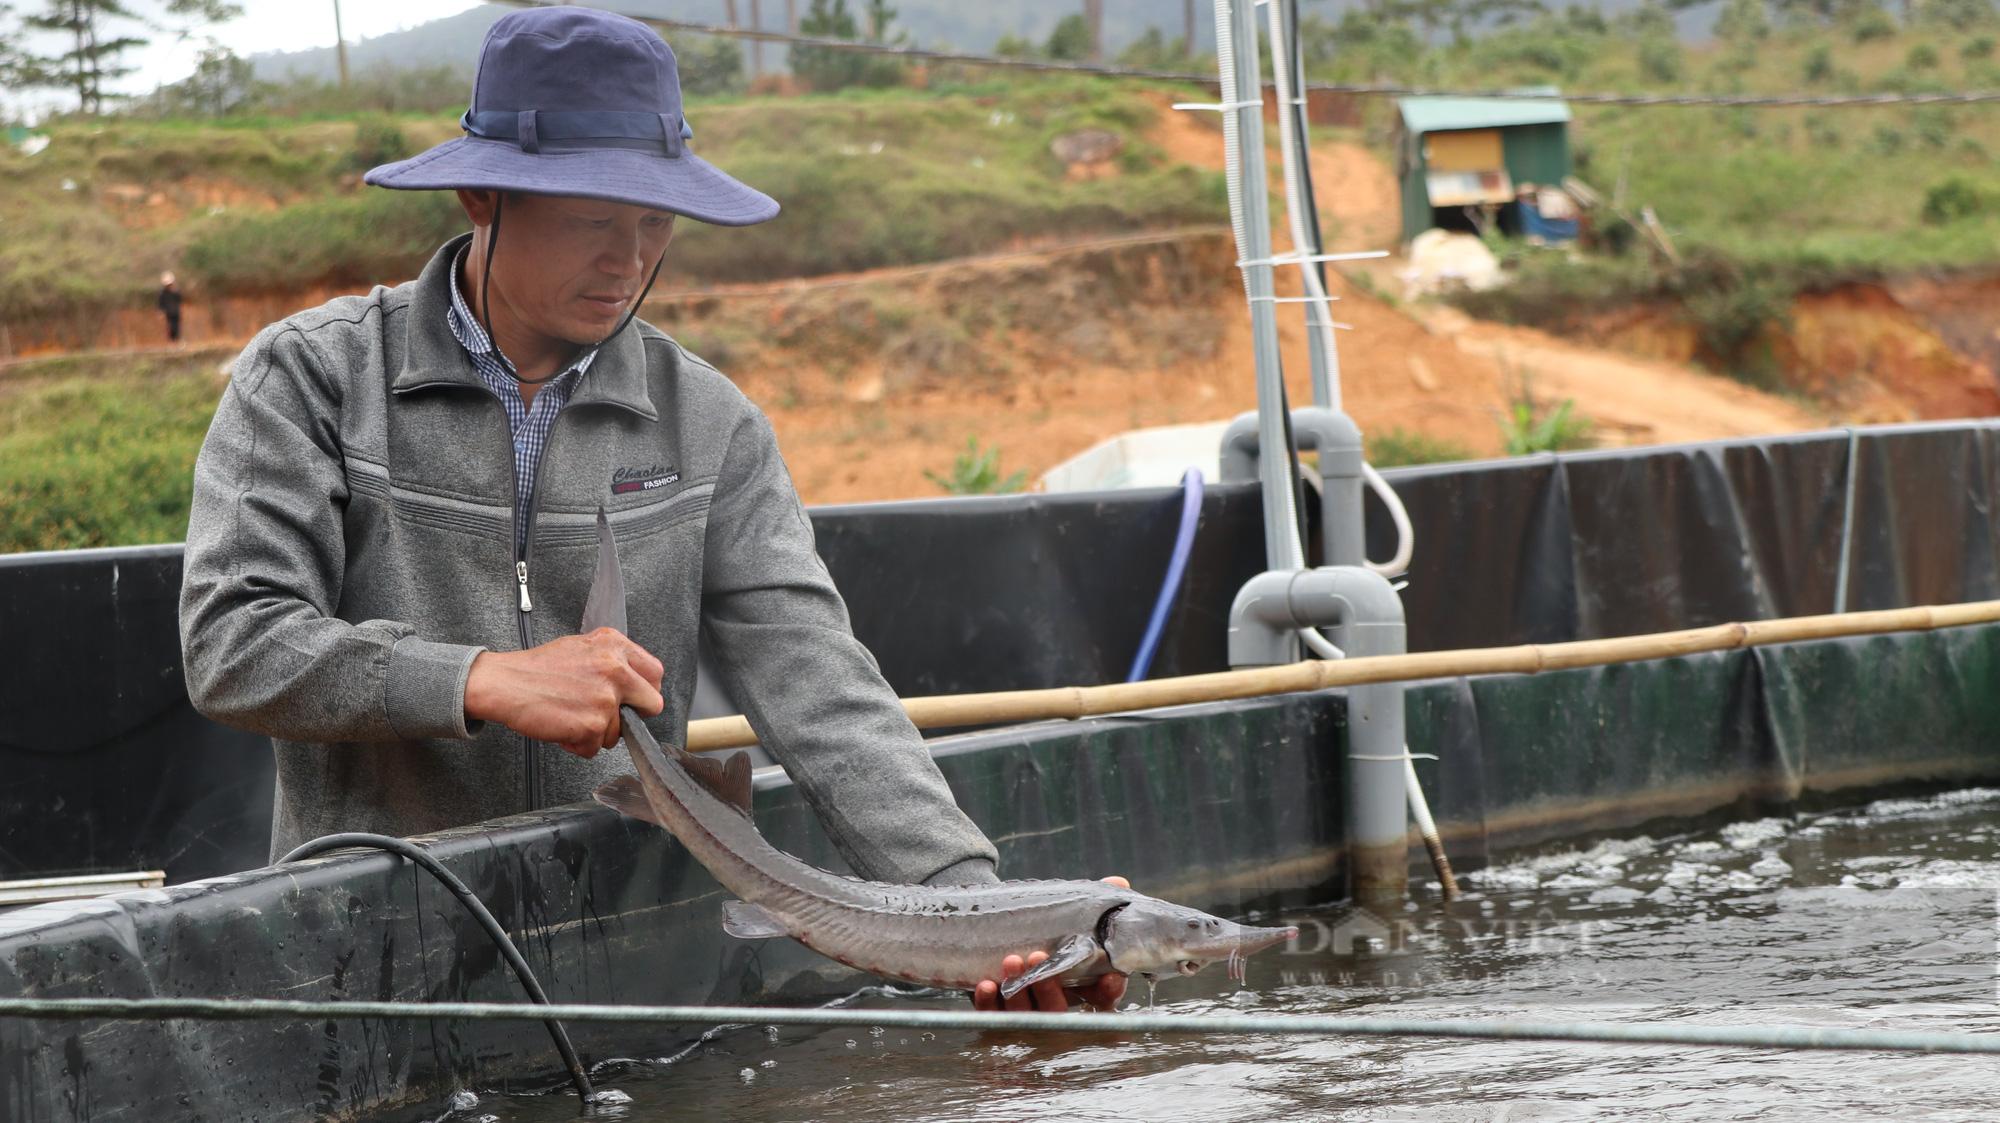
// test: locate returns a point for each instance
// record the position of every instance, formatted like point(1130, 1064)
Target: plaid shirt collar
point(471, 335)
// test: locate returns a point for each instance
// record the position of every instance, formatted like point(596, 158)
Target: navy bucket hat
point(577, 102)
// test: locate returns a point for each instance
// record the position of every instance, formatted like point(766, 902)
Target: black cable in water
point(477, 908)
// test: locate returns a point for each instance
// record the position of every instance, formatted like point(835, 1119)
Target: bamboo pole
point(1072, 702)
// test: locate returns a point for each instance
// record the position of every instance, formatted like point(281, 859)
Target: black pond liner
point(1224, 806)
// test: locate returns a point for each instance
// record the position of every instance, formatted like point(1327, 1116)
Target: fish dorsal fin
point(627, 796)
point(728, 778)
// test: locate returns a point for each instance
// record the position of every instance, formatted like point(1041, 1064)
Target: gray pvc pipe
point(1338, 441)
point(1365, 617)
point(1236, 43)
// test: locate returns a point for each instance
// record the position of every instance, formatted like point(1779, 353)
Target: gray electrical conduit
point(1127, 1023)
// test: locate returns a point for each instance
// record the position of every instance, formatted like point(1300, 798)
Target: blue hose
point(1176, 568)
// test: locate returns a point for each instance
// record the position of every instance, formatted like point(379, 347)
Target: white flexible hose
point(1319, 306)
point(1406, 538)
point(1291, 146)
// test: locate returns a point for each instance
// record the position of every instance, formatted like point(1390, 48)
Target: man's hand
point(1049, 995)
point(567, 691)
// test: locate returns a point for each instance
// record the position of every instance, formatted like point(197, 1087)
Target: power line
point(1358, 89)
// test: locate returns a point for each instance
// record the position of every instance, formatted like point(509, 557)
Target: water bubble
point(748, 1075)
point(771, 1034)
point(768, 1064)
point(851, 1043)
point(927, 1035)
point(874, 1031)
point(462, 1100)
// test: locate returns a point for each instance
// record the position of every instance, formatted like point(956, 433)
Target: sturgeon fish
point(944, 937)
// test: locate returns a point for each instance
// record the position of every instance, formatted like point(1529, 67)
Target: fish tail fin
point(746, 921)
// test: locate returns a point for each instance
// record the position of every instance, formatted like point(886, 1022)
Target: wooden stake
point(1071, 702)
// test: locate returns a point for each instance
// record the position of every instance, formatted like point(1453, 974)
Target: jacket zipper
point(531, 759)
point(531, 768)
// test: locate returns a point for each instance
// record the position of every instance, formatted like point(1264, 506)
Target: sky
point(265, 25)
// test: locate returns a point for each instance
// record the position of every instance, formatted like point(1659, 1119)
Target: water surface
point(1875, 917)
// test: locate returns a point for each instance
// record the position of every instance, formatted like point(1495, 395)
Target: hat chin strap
point(486, 303)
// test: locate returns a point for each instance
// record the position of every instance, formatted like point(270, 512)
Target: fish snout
point(1236, 941)
point(1253, 940)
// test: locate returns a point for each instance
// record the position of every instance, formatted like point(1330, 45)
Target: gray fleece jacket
point(351, 549)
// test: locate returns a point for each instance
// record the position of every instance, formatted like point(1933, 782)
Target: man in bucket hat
point(394, 511)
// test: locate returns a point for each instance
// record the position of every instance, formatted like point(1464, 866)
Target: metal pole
point(340, 44)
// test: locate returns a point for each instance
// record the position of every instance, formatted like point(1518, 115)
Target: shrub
point(1528, 428)
point(1979, 46)
point(1731, 316)
point(1954, 198)
point(829, 68)
point(1070, 41)
point(1397, 446)
point(1873, 25)
point(373, 236)
point(1934, 125)
point(708, 65)
point(1659, 59)
point(977, 472)
point(1923, 56)
point(377, 140)
point(1819, 64)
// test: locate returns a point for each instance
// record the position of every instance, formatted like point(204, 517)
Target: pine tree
point(92, 57)
point(98, 32)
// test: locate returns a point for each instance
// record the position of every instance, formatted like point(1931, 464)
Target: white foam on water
point(1945, 873)
point(1615, 895)
point(1756, 833)
point(1685, 873)
point(1588, 865)
point(1770, 865)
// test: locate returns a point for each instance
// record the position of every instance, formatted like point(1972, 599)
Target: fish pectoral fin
point(746, 921)
point(627, 796)
point(1073, 951)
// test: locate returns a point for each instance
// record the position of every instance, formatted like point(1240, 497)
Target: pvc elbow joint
point(1359, 604)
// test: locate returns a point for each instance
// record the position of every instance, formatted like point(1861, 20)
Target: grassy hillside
point(866, 178)
point(99, 453)
point(1838, 188)
point(1762, 203)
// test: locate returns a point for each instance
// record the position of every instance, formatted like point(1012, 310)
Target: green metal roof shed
point(1532, 143)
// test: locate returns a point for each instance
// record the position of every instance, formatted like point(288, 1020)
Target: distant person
point(384, 572)
point(170, 306)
